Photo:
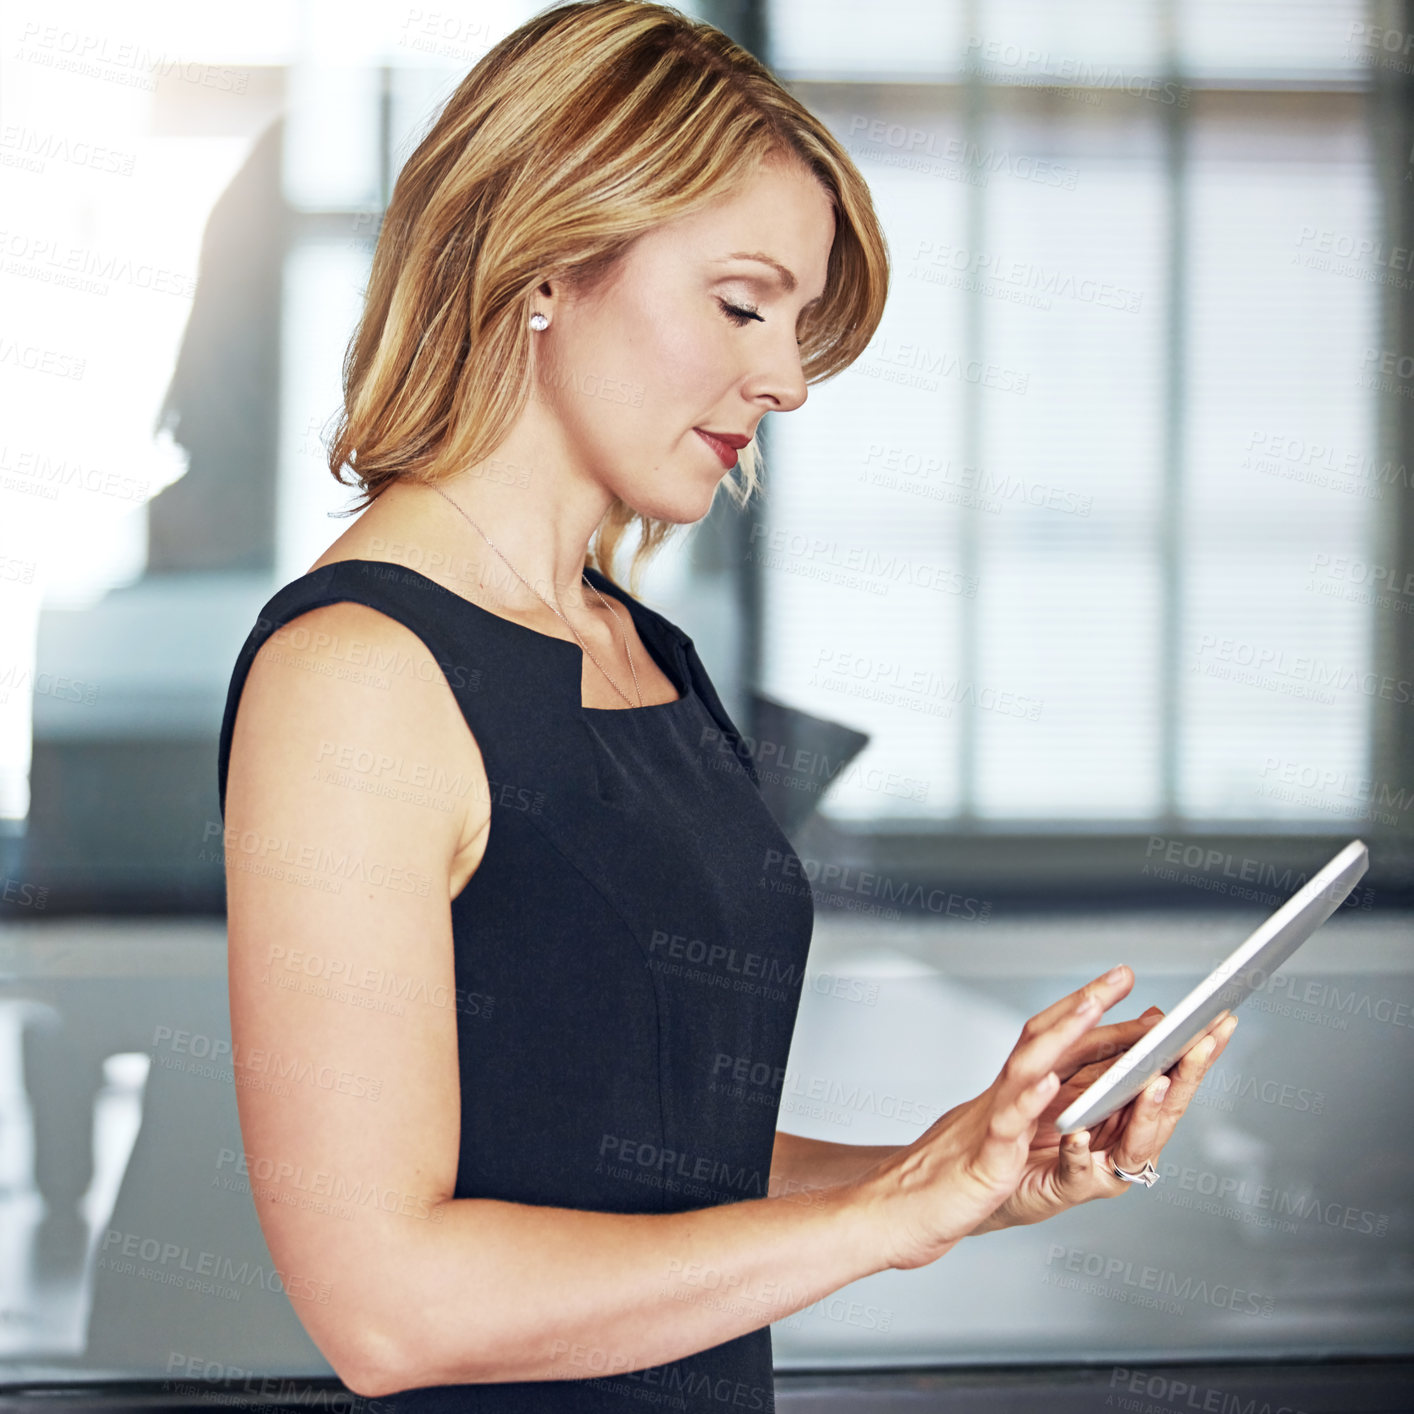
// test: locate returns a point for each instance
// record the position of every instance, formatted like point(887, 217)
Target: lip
point(725, 444)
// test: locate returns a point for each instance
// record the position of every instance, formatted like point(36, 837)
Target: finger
point(1110, 988)
point(1110, 1128)
point(1038, 1053)
point(1214, 1043)
point(1015, 1119)
point(1076, 1162)
point(1188, 1074)
point(1207, 1046)
point(1104, 1043)
point(1199, 1057)
point(1224, 1034)
point(1125, 1035)
point(1139, 1143)
point(1216, 1024)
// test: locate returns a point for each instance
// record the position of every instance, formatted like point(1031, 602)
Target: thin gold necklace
point(557, 613)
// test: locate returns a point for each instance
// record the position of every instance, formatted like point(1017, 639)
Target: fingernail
point(1161, 1088)
point(1153, 1011)
point(1115, 973)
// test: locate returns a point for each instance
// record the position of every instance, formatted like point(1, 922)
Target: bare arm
point(505, 1291)
point(800, 1163)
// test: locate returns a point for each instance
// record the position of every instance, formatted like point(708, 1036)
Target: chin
point(686, 507)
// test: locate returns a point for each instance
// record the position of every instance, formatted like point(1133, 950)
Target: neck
point(540, 533)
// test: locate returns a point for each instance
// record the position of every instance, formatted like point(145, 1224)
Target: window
point(1074, 541)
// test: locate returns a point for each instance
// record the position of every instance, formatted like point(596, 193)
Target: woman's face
point(686, 333)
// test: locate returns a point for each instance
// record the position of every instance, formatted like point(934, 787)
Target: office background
point(1073, 624)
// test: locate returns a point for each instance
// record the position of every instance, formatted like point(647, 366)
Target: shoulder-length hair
point(586, 127)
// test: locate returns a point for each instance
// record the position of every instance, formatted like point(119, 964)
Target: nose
point(779, 381)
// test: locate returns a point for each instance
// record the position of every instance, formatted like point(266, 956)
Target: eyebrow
point(787, 279)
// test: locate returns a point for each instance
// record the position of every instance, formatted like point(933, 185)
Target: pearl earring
point(539, 321)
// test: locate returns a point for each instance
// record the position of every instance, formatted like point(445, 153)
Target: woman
point(495, 916)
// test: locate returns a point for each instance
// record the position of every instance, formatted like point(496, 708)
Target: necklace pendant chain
point(583, 645)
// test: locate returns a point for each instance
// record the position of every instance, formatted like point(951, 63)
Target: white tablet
point(1243, 972)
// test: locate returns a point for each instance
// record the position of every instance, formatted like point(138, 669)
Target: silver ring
point(1148, 1175)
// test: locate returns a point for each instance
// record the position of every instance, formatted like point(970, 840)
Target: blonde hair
point(586, 127)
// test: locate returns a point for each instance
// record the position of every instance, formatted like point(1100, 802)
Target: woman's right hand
point(928, 1195)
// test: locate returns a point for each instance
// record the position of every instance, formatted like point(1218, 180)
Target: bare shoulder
point(345, 718)
point(343, 992)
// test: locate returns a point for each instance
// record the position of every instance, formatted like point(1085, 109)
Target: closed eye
point(739, 314)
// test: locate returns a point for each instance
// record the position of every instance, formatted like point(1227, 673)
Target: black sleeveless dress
point(629, 955)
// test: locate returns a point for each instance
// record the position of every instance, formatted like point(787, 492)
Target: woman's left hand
point(1063, 1170)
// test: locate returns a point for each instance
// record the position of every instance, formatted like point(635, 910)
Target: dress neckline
point(648, 624)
